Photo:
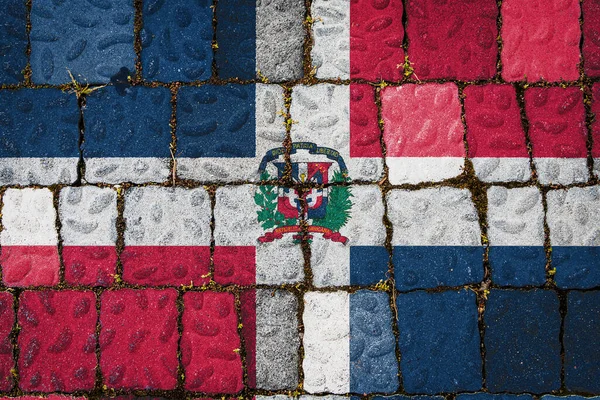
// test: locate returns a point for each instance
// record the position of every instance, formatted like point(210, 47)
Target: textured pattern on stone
point(373, 364)
point(322, 115)
point(127, 137)
point(440, 344)
point(452, 39)
point(494, 133)
point(591, 37)
point(540, 40)
point(277, 341)
point(88, 218)
point(57, 341)
point(7, 320)
point(521, 341)
point(280, 39)
point(236, 225)
point(596, 128)
point(176, 40)
point(13, 44)
point(364, 122)
point(326, 342)
point(376, 35)
point(210, 343)
point(331, 33)
point(41, 125)
point(92, 39)
point(236, 38)
point(141, 355)
point(557, 131)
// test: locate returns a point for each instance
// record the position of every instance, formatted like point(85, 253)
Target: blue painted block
point(423, 267)
point(518, 265)
point(38, 123)
point(236, 37)
point(373, 364)
point(439, 342)
point(93, 39)
point(581, 336)
point(521, 341)
point(568, 397)
point(177, 40)
point(13, 41)
point(489, 396)
point(577, 267)
point(216, 121)
point(134, 125)
point(368, 264)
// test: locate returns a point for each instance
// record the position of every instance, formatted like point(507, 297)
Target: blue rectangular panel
point(424, 267)
point(518, 265)
point(368, 264)
point(577, 267)
point(13, 41)
point(236, 37)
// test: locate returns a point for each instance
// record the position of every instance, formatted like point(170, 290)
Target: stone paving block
point(574, 222)
point(277, 340)
point(13, 45)
point(495, 135)
point(237, 232)
point(569, 397)
point(167, 236)
point(591, 37)
point(141, 354)
point(236, 38)
point(49, 397)
point(521, 341)
point(452, 40)
point(331, 38)
point(210, 344)
point(595, 108)
point(516, 236)
point(88, 218)
point(489, 396)
point(7, 321)
point(376, 36)
point(280, 38)
point(326, 361)
point(404, 397)
point(436, 240)
point(558, 134)
point(39, 137)
point(582, 356)
point(364, 122)
point(373, 364)
point(29, 238)
point(540, 41)
point(177, 40)
point(439, 342)
point(363, 260)
point(127, 137)
point(92, 39)
point(423, 132)
point(57, 341)
point(224, 131)
point(323, 115)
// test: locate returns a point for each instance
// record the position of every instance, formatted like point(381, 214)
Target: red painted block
point(540, 40)
point(166, 265)
point(423, 121)
point(596, 124)
point(452, 39)
point(556, 122)
point(494, 122)
point(364, 129)
point(591, 37)
point(376, 36)
point(57, 340)
point(30, 265)
point(7, 321)
point(248, 308)
point(210, 343)
point(49, 397)
point(90, 265)
point(235, 265)
point(138, 340)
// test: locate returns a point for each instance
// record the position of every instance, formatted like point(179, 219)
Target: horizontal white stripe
point(562, 171)
point(326, 342)
point(130, 169)
point(29, 218)
point(490, 169)
point(423, 169)
point(219, 169)
point(37, 171)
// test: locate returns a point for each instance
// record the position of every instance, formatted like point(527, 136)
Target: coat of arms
point(324, 205)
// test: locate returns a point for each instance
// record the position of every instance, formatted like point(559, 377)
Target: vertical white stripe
point(331, 33)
